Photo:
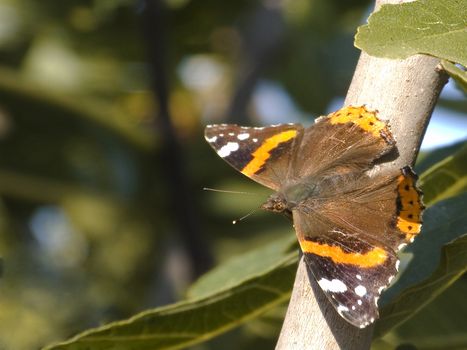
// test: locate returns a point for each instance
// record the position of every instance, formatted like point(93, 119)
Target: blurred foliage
point(240, 289)
point(87, 232)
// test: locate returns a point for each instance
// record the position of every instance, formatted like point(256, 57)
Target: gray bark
point(404, 92)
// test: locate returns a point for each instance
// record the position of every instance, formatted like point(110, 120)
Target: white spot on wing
point(212, 139)
point(402, 245)
point(360, 290)
point(335, 286)
point(380, 289)
point(341, 309)
point(243, 136)
point(353, 307)
point(227, 149)
point(255, 140)
point(358, 277)
point(359, 302)
point(398, 262)
point(390, 279)
point(231, 134)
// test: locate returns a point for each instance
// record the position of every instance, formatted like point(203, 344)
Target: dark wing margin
point(262, 153)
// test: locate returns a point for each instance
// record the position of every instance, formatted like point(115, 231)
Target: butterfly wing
point(349, 225)
point(348, 140)
point(350, 239)
point(354, 290)
point(262, 154)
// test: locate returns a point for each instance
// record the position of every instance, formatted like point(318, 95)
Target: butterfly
point(349, 225)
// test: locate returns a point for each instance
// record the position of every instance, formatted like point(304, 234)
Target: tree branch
point(404, 92)
point(182, 203)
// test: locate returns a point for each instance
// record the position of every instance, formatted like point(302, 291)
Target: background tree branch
point(404, 92)
point(182, 201)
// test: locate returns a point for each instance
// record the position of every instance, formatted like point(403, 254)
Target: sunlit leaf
point(433, 27)
point(189, 322)
point(244, 267)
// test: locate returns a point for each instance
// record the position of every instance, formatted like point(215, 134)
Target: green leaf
point(433, 27)
point(446, 178)
point(245, 267)
point(459, 75)
point(430, 272)
point(198, 319)
point(440, 325)
point(426, 160)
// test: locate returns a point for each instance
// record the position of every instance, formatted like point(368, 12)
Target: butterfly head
point(277, 204)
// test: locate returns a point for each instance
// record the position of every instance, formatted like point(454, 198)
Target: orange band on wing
point(262, 154)
point(409, 219)
point(365, 119)
point(374, 257)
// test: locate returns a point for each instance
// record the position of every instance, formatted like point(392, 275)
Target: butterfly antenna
point(226, 191)
point(244, 216)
